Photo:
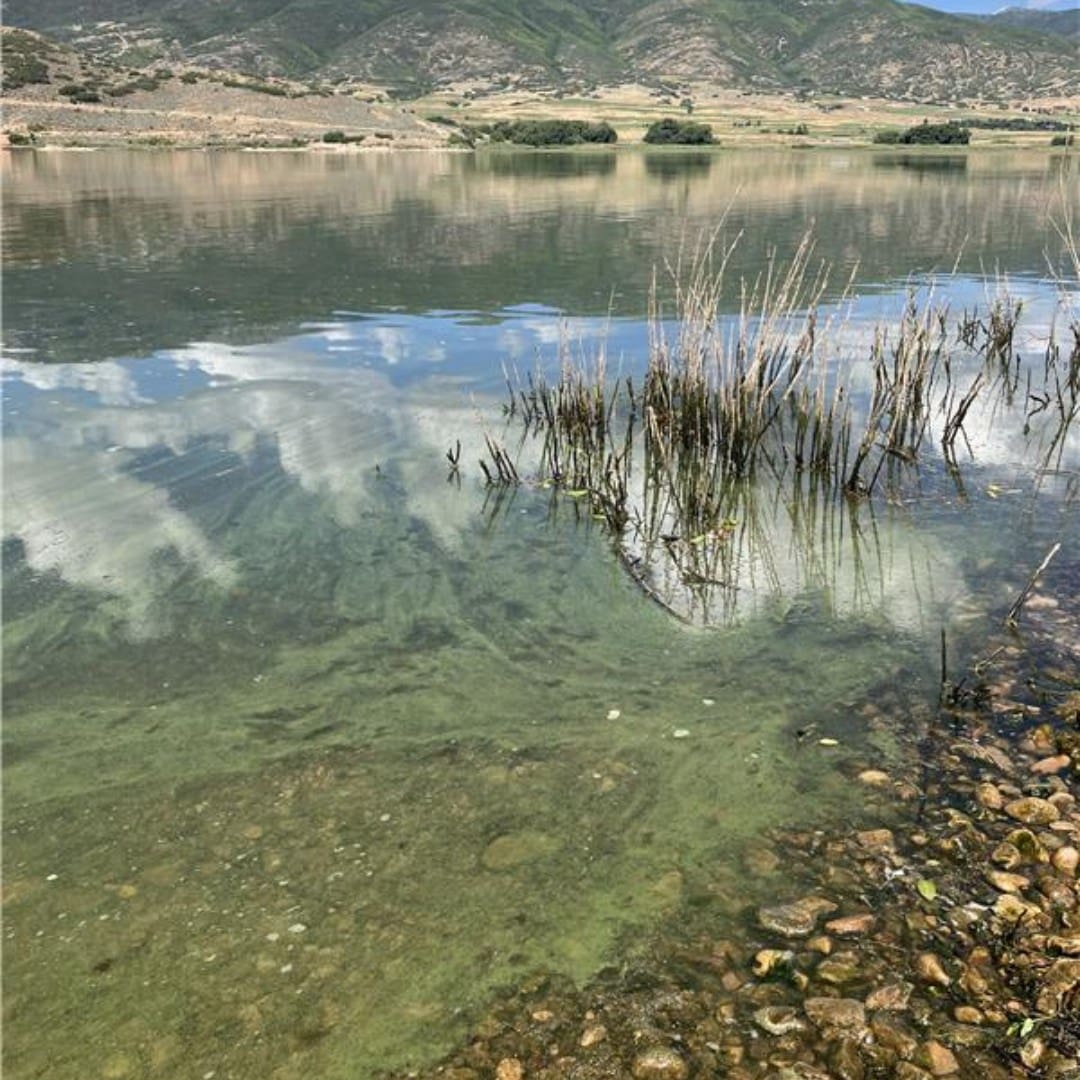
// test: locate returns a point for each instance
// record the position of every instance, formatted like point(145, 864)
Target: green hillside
point(849, 46)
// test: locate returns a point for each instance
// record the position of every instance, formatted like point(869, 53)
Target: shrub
point(550, 132)
point(926, 134)
point(1063, 140)
point(334, 137)
point(256, 87)
point(19, 138)
point(680, 132)
point(189, 78)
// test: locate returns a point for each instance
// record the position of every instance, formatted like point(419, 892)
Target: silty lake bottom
point(315, 749)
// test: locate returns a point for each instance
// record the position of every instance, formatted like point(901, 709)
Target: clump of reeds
point(722, 398)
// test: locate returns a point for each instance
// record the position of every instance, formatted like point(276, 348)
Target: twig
point(1014, 611)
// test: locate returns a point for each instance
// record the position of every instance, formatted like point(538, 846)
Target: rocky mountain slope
point(849, 46)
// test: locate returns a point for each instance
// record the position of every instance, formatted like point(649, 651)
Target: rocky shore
point(939, 937)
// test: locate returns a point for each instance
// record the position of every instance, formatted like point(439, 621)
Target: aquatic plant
point(669, 464)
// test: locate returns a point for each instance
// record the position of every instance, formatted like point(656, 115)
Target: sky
point(984, 7)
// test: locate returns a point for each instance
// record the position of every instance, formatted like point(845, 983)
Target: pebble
point(876, 839)
point(778, 1020)
point(1006, 855)
point(894, 1034)
point(851, 925)
point(1006, 882)
point(1032, 1053)
point(1026, 843)
point(659, 1063)
point(1065, 859)
point(297, 928)
point(967, 1014)
point(614, 714)
point(940, 1060)
point(593, 1035)
point(892, 996)
point(1032, 811)
point(1058, 986)
point(837, 1015)
point(509, 1069)
point(767, 960)
point(929, 968)
point(680, 733)
point(987, 795)
point(873, 777)
point(1050, 766)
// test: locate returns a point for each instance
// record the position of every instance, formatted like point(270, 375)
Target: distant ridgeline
point(849, 47)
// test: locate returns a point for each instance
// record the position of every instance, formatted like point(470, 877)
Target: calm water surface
point(309, 748)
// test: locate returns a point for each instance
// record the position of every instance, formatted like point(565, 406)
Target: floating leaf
point(828, 742)
point(578, 493)
point(1027, 1027)
point(698, 539)
point(927, 889)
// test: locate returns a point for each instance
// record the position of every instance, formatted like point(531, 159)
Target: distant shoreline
point(203, 117)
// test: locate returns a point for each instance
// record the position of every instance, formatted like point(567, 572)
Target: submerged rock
point(1032, 811)
point(660, 1063)
point(893, 996)
point(509, 1069)
point(778, 1020)
point(768, 960)
point(513, 849)
point(837, 1016)
point(1060, 983)
point(929, 968)
point(851, 925)
point(798, 919)
point(940, 1060)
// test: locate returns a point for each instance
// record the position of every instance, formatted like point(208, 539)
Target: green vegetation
point(189, 78)
point(25, 59)
point(340, 137)
point(547, 132)
point(678, 132)
point(1014, 123)
point(1063, 140)
point(20, 138)
point(80, 93)
point(926, 134)
point(257, 87)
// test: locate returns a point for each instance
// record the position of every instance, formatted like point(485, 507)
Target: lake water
point(310, 747)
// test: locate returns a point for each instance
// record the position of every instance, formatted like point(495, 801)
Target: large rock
point(798, 919)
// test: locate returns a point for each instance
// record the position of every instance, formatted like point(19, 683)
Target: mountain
point(1065, 23)
point(878, 47)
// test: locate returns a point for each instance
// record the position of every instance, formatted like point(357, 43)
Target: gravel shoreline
point(943, 943)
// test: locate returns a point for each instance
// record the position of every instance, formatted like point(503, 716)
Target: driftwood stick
point(1014, 612)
